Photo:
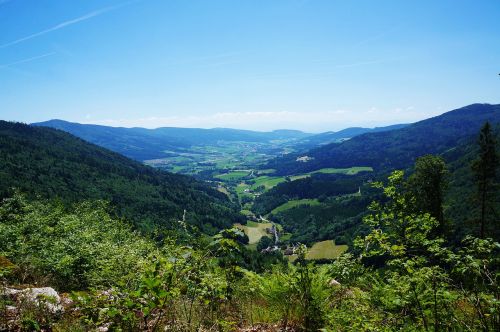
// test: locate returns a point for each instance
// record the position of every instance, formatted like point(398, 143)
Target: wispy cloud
point(62, 25)
point(27, 60)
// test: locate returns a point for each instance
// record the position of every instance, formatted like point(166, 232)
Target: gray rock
point(46, 296)
point(334, 283)
point(10, 292)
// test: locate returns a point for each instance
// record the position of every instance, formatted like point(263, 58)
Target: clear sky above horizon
point(298, 64)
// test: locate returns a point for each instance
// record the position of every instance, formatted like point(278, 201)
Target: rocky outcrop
point(45, 297)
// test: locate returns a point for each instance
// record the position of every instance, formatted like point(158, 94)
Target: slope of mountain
point(340, 218)
point(462, 204)
point(396, 148)
point(143, 144)
point(338, 136)
point(55, 164)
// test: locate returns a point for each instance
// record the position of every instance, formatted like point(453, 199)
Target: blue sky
point(268, 64)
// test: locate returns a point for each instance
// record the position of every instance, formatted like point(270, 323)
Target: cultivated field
point(232, 176)
point(348, 171)
point(325, 250)
point(254, 230)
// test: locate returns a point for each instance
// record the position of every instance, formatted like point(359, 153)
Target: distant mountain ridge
point(143, 144)
point(396, 148)
point(337, 136)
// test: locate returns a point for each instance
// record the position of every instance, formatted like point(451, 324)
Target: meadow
point(234, 175)
point(325, 250)
point(254, 230)
point(293, 203)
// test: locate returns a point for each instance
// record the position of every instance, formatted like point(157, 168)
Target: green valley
point(249, 166)
point(228, 234)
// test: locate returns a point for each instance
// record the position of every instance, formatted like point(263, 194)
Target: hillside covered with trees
point(56, 165)
point(338, 214)
point(399, 148)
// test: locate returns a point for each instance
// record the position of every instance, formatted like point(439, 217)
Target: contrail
point(61, 25)
point(27, 60)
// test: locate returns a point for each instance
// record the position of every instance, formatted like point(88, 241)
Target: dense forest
point(315, 186)
point(56, 165)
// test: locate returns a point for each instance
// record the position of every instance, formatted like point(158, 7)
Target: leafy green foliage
point(297, 296)
point(72, 249)
point(396, 231)
point(425, 284)
point(427, 185)
point(179, 289)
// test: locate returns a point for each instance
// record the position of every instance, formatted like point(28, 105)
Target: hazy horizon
point(311, 65)
point(110, 124)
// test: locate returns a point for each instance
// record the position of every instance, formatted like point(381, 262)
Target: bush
point(70, 249)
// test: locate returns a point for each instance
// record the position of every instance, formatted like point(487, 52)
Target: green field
point(348, 171)
point(294, 203)
point(214, 158)
point(271, 181)
point(265, 171)
point(325, 250)
point(267, 181)
point(254, 230)
point(298, 177)
point(232, 176)
point(240, 190)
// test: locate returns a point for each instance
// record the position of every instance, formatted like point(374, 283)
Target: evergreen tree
point(485, 167)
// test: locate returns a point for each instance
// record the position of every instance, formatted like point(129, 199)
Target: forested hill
point(314, 141)
point(461, 201)
point(143, 144)
point(396, 148)
point(54, 164)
